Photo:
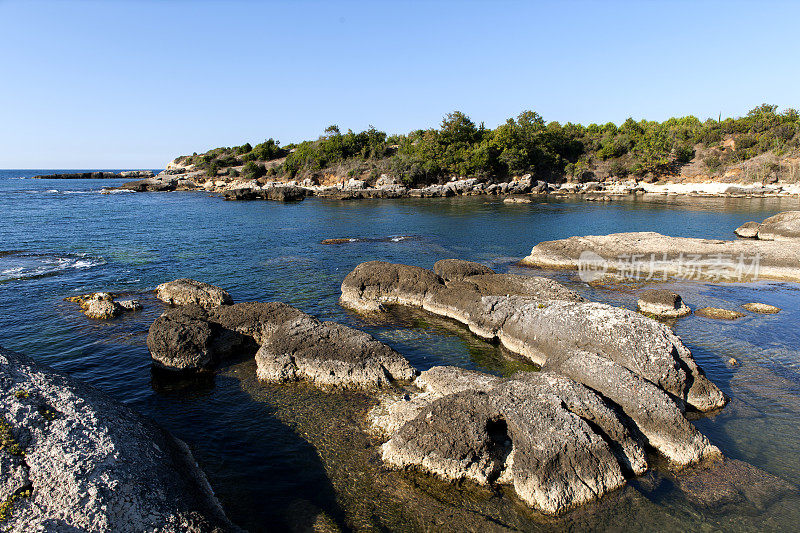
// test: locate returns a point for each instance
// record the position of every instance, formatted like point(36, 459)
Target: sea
point(279, 455)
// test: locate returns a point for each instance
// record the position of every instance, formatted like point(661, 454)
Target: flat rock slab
point(188, 291)
point(73, 459)
point(648, 255)
point(765, 309)
point(557, 443)
point(719, 314)
point(619, 353)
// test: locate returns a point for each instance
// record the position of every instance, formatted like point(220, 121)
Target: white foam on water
point(27, 265)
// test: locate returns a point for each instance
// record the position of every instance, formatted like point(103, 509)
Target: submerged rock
point(755, 307)
point(73, 459)
point(287, 343)
point(718, 485)
point(662, 303)
point(188, 291)
point(557, 443)
point(719, 314)
point(632, 360)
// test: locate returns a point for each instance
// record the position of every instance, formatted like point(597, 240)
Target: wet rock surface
point(621, 354)
point(288, 345)
point(188, 291)
point(73, 459)
point(764, 309)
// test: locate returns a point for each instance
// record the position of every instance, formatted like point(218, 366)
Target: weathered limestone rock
point(662, 303)
point(73, 459)
point(781, 227)
point(755, 307)
point(102, 306)
point(188, 291)
point(672, 256)
point(719, 314)
point(617, 352)
point(288, 345)
point(748, 230)
point(555, 441)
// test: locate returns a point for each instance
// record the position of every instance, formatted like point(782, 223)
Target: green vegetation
point(7, 441)
point(522, 145)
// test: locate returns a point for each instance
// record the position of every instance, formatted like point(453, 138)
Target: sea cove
point(278, 455)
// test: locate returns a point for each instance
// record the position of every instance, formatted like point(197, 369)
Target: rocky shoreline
point(524, 187)
point(74, 459)
point(613, 382)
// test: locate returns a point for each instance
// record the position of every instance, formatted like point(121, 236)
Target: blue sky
point(126, 84)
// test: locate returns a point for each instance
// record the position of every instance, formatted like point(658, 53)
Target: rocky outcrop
point(288, 345)
point(73, 459)
point(157, 184)
point(662, 303)
point(781, 227)
point(634, 361)
point(188, 291)
point(748, 230)
point(103, 306)
point(648, 255)
point(556, 442)
point(276, 193)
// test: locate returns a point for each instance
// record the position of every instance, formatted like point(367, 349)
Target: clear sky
point(127, 84)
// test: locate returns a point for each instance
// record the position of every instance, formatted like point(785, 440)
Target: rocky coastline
point(517, 190)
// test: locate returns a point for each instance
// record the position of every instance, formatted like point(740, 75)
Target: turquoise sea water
point(272, 453)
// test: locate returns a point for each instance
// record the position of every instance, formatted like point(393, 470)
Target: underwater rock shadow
point(258, 466)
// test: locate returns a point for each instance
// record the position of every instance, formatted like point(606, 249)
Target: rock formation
point(557, 443)
point(103, 305)
point(188, 291)
point(73, 459)
point(781, 227)
point(647, 255)
point(634, 361)
point(288, 345)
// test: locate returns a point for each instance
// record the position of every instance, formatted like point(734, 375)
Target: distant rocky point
point(97, 175)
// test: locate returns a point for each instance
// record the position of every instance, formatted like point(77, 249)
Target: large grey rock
point(186, 291)
point(182, 339)
point(288, 345)
point(781, 227)
point(73, 459)
point(557, 443)
point(617, 352)
point(708, 259)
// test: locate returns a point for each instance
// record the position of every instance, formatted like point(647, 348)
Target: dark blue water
point(274, 452)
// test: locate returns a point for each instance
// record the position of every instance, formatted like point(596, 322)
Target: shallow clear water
point(274, 452)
